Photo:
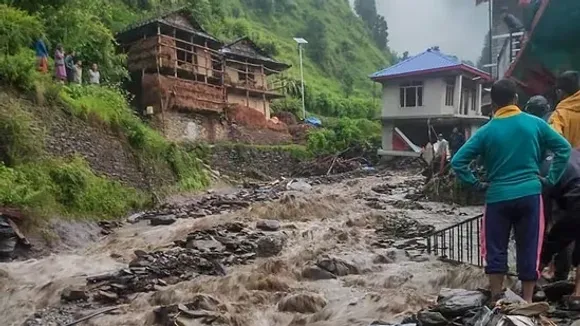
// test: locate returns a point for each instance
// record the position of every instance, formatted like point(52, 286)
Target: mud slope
point(329, 267)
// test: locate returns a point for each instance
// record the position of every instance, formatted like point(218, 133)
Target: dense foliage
point(343, 50)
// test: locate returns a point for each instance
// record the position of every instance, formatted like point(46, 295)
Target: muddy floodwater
point(345, 258)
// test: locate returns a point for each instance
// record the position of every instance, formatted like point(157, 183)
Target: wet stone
point(105, 296)
point(431, 318)
point(337, 266)
point(74, 294)
point(269, 246)
point(382, 259)
point(162, 220)
point(317, 273)
point(268, 225)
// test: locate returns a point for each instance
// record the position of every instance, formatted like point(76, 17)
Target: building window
point(449, 92)
point(411, 94)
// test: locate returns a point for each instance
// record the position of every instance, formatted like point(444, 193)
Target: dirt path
point(328, 229)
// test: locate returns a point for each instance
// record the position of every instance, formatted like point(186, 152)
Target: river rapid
point(329, 221)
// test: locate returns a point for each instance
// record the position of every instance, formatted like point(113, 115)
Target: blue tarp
point(313, 121)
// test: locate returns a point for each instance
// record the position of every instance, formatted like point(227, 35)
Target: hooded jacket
point(566, 119)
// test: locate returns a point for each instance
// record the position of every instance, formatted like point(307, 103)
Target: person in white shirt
point(78, 76)
point(94, 75)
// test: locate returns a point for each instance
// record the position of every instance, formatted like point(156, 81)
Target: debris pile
point(446, 188)
point(209, 204)
point(205, 252)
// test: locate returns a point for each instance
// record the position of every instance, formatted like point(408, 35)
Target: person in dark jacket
point(456, 140)
point(69, 63)
point(538, 106)
point(566, 195)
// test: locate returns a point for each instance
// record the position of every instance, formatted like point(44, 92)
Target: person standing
point(456, 140)
point(512, 146)
point(566, 195)
point(539, 106)
point(41, 55)
point(566, 117)
point(69, 62)
point(79, 72)
point(94, 75)
point(59, 65)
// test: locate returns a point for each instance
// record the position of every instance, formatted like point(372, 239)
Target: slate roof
point(180, 18)
point(245, 47)
point(430, 61)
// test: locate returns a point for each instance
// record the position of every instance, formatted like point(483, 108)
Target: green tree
point(315, 33)
point(381, 32)
point(18, 29)
point(367, 10)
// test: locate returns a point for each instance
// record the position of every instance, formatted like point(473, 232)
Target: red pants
point(43, 64)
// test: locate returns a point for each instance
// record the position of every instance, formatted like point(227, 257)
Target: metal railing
point(459, 242)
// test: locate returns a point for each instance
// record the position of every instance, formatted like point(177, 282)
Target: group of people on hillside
point(532, 159)
point(67, 67)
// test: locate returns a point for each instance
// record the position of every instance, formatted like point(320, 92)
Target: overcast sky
point(457, 26)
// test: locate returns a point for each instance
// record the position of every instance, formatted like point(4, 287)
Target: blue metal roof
point(429, 60)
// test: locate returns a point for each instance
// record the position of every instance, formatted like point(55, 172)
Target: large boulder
point(337, 266)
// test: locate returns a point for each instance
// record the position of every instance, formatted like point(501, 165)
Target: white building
point(425, 95)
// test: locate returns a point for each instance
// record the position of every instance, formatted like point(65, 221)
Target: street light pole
point(301, 42)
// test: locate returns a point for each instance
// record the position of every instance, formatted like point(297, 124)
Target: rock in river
point(269, 246)
point(162, 220)
point(317, 273)
point(337, 266)
point(74, 294)
point(268, 225)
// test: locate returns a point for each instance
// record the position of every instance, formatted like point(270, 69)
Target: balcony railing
point(509, 51)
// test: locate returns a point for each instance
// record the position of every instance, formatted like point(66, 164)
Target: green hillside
point(341, 54)
point(338, 59)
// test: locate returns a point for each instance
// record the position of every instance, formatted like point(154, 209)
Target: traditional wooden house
point(247, 68)
point(176, 69)
point(179, 78)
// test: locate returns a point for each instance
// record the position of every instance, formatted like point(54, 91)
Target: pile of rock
point(402, 227)
point(207, 205)
point(205, 252)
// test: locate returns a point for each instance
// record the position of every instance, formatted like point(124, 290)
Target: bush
point(21, 139)
point(287, 104)
point(356, 135)
point(19, 70)
point(18, 30)
point(69, 187)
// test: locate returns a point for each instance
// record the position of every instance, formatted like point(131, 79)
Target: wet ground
point(341, 253)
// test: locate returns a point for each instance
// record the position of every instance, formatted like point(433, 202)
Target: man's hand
point(481, 186)
point(544, 181)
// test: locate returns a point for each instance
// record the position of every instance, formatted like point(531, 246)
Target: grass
point(299, 152)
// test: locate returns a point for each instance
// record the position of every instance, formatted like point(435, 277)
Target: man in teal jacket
point(512, 145)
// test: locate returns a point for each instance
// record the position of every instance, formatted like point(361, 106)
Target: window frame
point(415, 86)
point(450, 92)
